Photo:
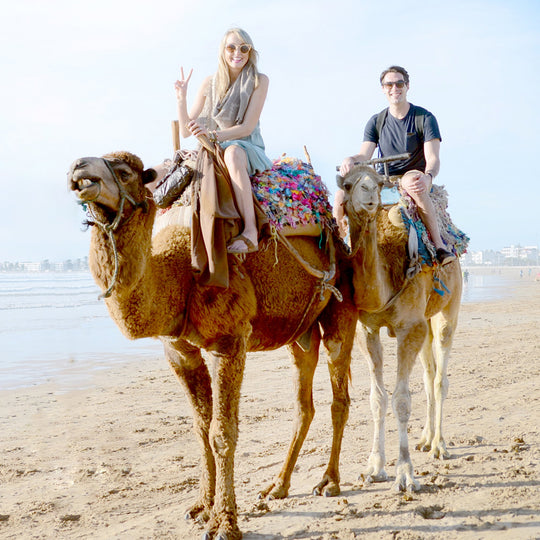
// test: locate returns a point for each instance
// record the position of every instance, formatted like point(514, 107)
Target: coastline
point(117, 459)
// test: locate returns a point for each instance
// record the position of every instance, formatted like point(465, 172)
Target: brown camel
point(423, 320)
point(153, 293)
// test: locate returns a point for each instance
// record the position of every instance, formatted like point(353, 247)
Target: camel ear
point(339, 181)
point(149, 176)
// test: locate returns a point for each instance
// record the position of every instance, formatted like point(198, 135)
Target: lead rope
point(324, 276)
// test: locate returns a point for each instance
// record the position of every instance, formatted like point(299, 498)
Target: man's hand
point(346, 166)
point(416, 182)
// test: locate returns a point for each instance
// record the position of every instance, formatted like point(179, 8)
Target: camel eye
point(123, 174)
point(347, 187)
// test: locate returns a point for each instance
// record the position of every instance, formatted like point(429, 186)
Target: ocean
point(54, 329)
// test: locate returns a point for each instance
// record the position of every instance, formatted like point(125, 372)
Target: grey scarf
point(231, 109)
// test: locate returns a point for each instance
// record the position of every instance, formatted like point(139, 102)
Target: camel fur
point(423, 321)
point(266, 306)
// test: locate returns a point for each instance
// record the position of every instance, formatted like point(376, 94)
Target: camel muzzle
point(84, 180)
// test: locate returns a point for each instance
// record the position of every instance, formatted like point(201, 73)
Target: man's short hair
point(396, 69)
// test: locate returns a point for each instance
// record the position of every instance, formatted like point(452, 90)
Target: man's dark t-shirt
point(400, 136)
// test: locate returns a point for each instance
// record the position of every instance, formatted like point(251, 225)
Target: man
point(402, 132)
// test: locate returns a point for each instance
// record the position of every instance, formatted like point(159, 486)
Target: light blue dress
point(253, 145)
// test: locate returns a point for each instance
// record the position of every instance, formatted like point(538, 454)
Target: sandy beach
point(117, 458)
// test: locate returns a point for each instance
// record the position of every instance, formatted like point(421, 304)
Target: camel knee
point(305, 413)
point(446, 335)
point(401, 403)
point(223, 442)
point(441, 385)
point(340, 408)
point(334, 348)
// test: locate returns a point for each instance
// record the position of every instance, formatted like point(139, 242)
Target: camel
point(422, 320)
point(152, 292)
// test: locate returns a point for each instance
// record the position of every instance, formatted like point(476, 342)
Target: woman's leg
point(236, 161)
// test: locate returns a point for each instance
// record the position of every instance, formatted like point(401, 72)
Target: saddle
point(293, 198)
point(421, 249)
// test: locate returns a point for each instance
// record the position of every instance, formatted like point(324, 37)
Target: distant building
point(31, 266)
point(69, 265)
point(521, 255)
point(508, 256)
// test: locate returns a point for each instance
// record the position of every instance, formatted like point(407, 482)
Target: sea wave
point(48, 305)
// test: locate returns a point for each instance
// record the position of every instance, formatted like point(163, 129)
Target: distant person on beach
point(227, 110)
point(394, 131)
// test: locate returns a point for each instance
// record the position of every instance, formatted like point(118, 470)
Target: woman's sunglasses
point(244, 48)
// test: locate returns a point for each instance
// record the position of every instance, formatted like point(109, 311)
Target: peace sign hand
point(181, 84)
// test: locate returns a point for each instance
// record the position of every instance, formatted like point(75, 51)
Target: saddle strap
point(324, 276)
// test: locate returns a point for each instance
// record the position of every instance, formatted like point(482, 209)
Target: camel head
point(362, 187)
point(109, 181)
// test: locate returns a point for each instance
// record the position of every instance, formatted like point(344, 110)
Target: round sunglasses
point(244, 48)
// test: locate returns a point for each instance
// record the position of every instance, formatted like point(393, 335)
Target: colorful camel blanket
point(292, 195)
point(455, 239)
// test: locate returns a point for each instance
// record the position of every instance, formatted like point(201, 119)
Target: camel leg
point(428, 362)
point(305, 363)
point(444, 326)
point(229, 358)
point(378, 400)
point(339, 350)
point(410, 342)
point(188, 365)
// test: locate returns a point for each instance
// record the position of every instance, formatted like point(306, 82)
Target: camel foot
point(208, 536)
point(367, 479)
point(374, 473)
point(327, 487)
point(439, 451)
point(273, 491)
point(198, 512)
point(222, 528)
point(423, 447)
point(405, 480)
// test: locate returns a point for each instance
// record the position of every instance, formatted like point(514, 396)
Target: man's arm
point(431, 152)
point(366, 151)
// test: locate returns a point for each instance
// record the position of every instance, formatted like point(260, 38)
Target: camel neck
point(369, 269)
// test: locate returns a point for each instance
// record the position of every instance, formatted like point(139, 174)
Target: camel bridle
point(110, 228)
point(367, 222)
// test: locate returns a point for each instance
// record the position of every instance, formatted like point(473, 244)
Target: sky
point(87, 78)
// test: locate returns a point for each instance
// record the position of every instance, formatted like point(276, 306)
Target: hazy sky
point(86, 78)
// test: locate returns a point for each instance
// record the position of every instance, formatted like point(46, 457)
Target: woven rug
point(455, 239)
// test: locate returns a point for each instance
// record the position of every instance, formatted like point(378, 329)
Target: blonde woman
point(227, 109)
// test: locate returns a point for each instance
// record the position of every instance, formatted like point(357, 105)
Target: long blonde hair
point(223, 80)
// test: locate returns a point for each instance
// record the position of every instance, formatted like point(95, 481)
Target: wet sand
point(117, 458)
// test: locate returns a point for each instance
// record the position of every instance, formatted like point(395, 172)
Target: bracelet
point(430, 174)
point(212, 136)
